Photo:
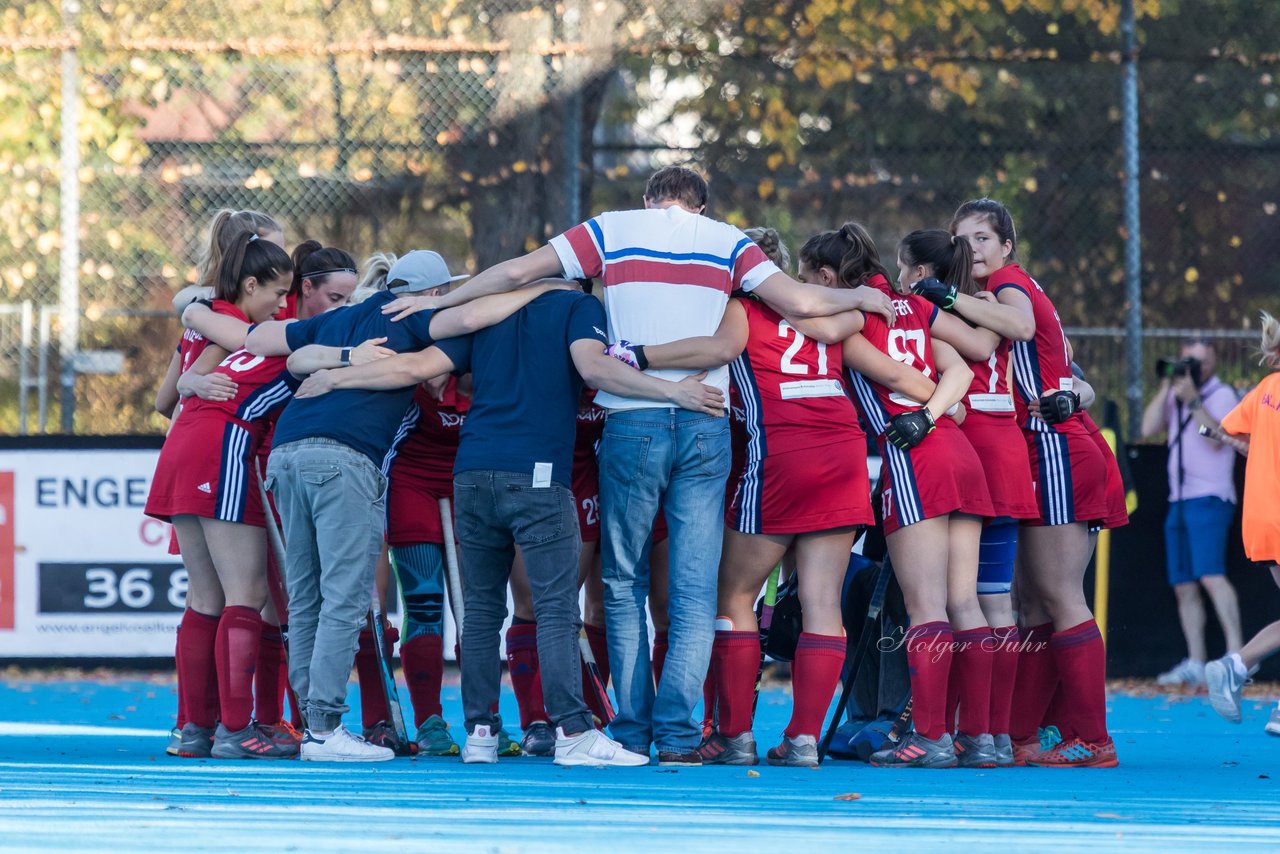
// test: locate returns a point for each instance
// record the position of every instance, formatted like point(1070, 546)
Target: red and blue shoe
point(916, 751)
point(1077, 753)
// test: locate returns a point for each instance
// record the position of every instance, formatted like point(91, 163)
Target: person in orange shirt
point(1257, 418)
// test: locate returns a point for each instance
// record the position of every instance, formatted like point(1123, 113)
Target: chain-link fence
point(481, 127)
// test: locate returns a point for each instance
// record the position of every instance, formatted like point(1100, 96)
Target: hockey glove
point(908, 429)
point(939, 293)
point(1059, 406)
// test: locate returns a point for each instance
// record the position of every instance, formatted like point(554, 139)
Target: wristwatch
point(344, 355)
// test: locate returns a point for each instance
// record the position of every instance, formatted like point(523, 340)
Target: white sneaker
point(1187, 672)
point(593, 748)
point(342, 745)
point(1224, 687)
point(1273, 722)
point(481, 746)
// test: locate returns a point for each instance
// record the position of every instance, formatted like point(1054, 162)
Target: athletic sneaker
point(342, 745)
point(175, 741)
point(1050, 737)
point(252, 742)
point(679, 758)
point(196, 742)
point(1025, 749)
point(798, 752)
point(1224, 683)
point(717, 749)
point(1076, 753)
point(595, 749)
point(1188, 672)
point(481, 746)
point(283, 733)
point(975, 751)
point(1004, 750)
point(1273, 722)
point(916, 751)
point(507, 746)
point(434, 739)
point(539, 740)
point(383, 734)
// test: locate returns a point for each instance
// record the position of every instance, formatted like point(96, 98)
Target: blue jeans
point(680, 459)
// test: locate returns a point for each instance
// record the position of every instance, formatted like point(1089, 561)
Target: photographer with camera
point(1202, 499)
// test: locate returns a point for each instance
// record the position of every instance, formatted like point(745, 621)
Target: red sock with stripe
point(1004, 670)
point(270, 680)
point(736, 657)
point(598, 640)
point(236, 650)
point(199, 637)
point(929, 650)
point(1037, 678)
point(422, 659)
point(971, 679)
point(815, 672)
point(1081, 658)
point(526, 679)
point(659, 657)
point(373, 702)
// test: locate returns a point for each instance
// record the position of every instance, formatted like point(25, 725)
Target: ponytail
point(223, 229)
point(770, 243)
point(849, 251)
point(950, 258)
point(249, 257)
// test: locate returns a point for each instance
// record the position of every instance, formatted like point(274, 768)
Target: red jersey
point(193, 343)
point(1041, 365)
point(989, 390)
point(590, 430)
point(907, 341)
point(426, 455)
point(263, 387)
point(790, 387)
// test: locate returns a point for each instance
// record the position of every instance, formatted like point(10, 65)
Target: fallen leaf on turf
point(753, 773)
point(1116, 816)
point(848, 796)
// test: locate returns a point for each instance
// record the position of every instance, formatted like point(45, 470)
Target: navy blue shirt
point(370, 422)
point(525, 408)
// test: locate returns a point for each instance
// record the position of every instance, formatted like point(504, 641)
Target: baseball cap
point(419, 270)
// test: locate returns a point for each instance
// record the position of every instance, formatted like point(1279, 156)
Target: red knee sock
point(929, 650)
point(1037, 678)
point(970, 679)
point(238, 641)
point(1082, 662)
point(270, 680)
point(659, 655)
point(526, 679)
point(736, 657)
point(1004, 670)
point(373, 699)
point(422, 660)
point(177, 666)
point(814, 675)
point(199, 677)
point(599, 642)
point(1058, 714)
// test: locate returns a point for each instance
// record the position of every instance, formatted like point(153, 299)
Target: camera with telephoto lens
point(1186, 367)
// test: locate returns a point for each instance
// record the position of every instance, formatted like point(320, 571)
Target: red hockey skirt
point(940, 476)
point(1002, 452)
point(206, 469)
point(800, 492)
point(1070, 474)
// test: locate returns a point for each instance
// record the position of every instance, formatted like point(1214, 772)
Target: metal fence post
point(1132, 224)
point(69, 258)
point(25, 381)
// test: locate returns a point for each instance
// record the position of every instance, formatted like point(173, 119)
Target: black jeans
point(497, 511)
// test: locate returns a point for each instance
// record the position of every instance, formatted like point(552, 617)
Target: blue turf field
point(98, 779)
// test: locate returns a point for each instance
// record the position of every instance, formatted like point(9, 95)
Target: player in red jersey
point(939, 267)
point(1060, 640)
point(935, 494)
point(215, 507)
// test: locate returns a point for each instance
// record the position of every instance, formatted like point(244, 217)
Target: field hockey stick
point(275, 583)
point(451, 567)
point(766, 621)
point(902, 723)
point(860, 650)
point(597, 683)
point(403, 747)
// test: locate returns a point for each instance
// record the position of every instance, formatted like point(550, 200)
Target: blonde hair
point(376, 267)
point(1270, 349)
point(770, 242)
point(225, 226)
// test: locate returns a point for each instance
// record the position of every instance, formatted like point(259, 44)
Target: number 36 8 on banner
point(115, 588)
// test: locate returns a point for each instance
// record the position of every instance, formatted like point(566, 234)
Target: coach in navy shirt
point(327, 470)
point(511, 487)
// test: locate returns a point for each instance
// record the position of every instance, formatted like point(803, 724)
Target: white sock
point(1237, 664)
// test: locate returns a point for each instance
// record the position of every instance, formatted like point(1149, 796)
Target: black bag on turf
point(784, 631)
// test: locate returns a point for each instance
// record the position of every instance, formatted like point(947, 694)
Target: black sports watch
point(344, 355)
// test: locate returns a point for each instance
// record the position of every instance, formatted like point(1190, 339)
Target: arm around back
point(608, 374)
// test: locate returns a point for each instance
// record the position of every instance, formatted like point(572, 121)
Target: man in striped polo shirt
point(668, 272)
